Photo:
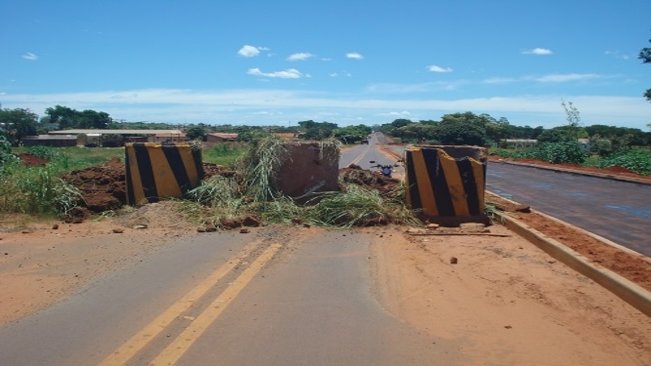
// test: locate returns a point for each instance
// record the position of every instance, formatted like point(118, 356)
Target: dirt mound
point(103, 187)
point(158, 215)
point(32, 160)
point(356, 175)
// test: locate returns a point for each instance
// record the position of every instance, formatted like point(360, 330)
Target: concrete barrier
point(445, 188)
point(154, 171)
point(306, 169)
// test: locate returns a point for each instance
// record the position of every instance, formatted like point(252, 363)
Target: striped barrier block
point(156, 170)
point(442, 186)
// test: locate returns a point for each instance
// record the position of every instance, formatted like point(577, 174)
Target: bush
point(5, 153)
point(556, 153)
point(563, 152)
point(36, 190)
point(44, 152)
point(638, 161)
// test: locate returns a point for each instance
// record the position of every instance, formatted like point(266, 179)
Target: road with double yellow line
point(272, 297)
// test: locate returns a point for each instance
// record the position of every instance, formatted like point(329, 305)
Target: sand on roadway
point(505, 300)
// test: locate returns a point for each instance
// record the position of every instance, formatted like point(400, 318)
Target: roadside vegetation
point(226, 201)
point(38, 189)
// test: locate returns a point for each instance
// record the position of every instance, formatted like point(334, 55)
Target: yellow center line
point(360, 156)
point(140, 340)
point(175, 350)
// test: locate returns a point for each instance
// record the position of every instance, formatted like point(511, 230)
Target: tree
point(352, 134)
point(67, 117)
point(18, 123)
point(416, 132)
point(645, 56)
point(195, 132)
point(93, 119)
point(460, 132)
point(64, 116)
point(316, 130)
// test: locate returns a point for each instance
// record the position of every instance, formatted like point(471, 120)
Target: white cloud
point(538, 52)
point(436, 68)
point(30, 56)
point(499, 80)
point(301, 56)
point(396, 88)
point(618, 55)
point(333, 75)
point(250, 51)
point(283, 74)
point(239, 106)
point(562, 78)
point(404, 114)
point(354, 56)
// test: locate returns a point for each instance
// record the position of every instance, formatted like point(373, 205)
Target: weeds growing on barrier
point(225, 198)
point(260, 164)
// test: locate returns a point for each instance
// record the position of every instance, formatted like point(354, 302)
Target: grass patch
point(224, 154)
point(36, 190)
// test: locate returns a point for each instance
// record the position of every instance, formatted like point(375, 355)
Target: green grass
point(39, 190)
point(224, 154)
point(74, 158)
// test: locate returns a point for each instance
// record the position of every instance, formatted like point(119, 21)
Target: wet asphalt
point(619, 211)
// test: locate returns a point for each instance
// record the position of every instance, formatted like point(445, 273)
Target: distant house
point(219, 137)
point(520, 143)
point(97, 135)
point(50, 140)
point(285, 135)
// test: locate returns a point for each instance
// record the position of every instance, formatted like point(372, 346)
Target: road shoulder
point(514, 303)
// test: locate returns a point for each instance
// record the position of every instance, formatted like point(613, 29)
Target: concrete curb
point(577, 172)
point(625, 289)
point(579, 229)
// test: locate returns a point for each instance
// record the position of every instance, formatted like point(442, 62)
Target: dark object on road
point(364, 142)
point(385, 170)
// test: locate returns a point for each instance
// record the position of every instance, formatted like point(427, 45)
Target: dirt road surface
point(294, 295)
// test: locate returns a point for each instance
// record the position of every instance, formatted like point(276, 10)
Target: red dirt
point(626, 264)
point(32, 160)
point(103, 187)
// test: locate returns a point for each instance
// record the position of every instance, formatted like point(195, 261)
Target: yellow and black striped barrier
point(160, 170)
point(442, 186)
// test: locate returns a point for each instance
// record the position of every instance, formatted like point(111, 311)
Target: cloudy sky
point(349, 62)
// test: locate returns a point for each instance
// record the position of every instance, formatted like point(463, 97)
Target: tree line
point(456, 128)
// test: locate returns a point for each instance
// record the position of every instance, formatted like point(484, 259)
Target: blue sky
point(349, 62)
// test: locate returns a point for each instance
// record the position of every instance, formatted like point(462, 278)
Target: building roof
point(224, 135)
point(51, 137)
point(117, 132)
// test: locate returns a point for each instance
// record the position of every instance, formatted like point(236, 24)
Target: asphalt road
point(283, 301)
point(619, 211)
point(362, 155)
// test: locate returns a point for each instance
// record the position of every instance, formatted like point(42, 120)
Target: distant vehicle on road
point(364, 142)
